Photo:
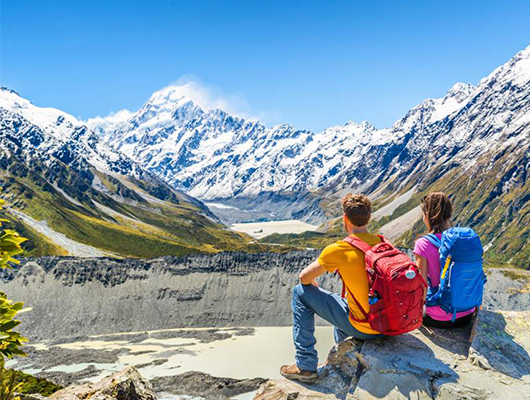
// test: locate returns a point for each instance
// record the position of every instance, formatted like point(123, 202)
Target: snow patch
point(391, 207)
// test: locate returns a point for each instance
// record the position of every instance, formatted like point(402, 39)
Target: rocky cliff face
point(73, 296)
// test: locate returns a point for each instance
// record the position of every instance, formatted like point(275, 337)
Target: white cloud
point(209, 97)
point(205, 96)
point(113, 117)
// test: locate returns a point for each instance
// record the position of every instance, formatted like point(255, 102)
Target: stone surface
point(125, 385)
point(426, 364)
point(32, 396)
point(335, 377)
point(204, 385)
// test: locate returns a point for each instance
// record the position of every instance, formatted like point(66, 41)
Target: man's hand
point(310, 273)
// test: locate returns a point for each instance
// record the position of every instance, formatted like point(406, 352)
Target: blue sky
point(309, 63)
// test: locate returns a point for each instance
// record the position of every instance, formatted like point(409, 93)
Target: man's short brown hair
point(357, 208)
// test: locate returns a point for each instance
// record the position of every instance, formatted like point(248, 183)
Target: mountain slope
point(71, 193)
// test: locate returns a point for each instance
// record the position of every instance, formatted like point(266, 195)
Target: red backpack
point(396, 288)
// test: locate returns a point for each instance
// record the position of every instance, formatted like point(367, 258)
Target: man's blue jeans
point(309, 300)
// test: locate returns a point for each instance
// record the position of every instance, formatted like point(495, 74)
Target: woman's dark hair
point(438, 209)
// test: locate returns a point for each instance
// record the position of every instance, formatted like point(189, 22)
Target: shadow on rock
point(494, 347)
point(454, 340)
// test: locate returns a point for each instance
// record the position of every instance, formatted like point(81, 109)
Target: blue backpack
point(462, 277)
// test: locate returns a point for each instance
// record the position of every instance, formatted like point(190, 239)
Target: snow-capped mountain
point(220, 158)
point(71, 193)
point(474, 123)
point(224, 159)
point(56, 135)
point(472, 143)
point(213, 155)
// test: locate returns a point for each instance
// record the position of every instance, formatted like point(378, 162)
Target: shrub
point(10, 341)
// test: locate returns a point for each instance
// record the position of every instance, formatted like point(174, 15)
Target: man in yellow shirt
point(309, 299)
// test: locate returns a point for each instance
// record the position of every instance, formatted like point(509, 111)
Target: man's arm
point(310, 273)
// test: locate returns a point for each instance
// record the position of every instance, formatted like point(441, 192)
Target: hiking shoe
point(294, 373)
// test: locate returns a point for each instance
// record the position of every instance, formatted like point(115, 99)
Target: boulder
point(425, 364)
point(502, 343)
point(201, 385)
point(125, 385)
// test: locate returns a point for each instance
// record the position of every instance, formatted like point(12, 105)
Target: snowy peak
point(167, 104)
point(53, 135)
point(50, 120)
point(456, 98)
point(515, 72)
point(169, 97)
point(459, 92)
point(432, 110)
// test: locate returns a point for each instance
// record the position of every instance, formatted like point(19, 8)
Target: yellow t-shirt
point(349, 261)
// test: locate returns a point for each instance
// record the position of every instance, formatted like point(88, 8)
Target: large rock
point(502, 343)
point(425, 364)
point(125, 385)
point(200, 385)
point(335, 377)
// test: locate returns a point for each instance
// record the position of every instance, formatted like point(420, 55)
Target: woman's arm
point(423, 265)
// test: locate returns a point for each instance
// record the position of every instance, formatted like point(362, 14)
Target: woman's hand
point(423, 266)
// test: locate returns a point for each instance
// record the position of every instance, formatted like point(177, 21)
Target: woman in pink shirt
point(437, 212)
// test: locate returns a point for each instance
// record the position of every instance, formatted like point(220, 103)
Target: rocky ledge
point(490, 361)
point(130, 385)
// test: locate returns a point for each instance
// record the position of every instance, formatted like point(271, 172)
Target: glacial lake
point(222, 352)
point(259, 230)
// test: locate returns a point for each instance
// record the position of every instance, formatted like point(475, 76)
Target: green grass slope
point(121, 216)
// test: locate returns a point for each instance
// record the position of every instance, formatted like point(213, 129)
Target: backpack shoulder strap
point(431, 237)
point(357, 243)
point(364, 247)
